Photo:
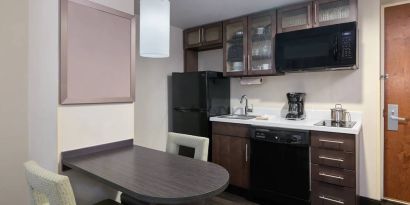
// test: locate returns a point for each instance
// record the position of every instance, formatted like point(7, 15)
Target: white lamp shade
point(154, 28)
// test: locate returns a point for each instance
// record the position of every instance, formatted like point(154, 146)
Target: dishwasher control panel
point(279, 135)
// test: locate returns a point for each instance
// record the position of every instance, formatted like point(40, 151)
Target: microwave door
point(308, 49)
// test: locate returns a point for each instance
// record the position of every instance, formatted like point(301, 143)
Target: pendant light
point(154, 28)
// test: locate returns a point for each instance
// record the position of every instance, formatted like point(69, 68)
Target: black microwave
point(323, 48)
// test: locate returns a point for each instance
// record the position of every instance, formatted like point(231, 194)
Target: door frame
point(382, 72)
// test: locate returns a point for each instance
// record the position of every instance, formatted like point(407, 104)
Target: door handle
point(398, 118)
point(393, 117)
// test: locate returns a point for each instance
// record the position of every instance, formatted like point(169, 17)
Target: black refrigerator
point(197, 96)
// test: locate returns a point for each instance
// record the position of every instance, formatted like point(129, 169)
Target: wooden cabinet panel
point(230, 129)
point(341, 177)
point(344, 160)
point(333, 141)
point(192, 37)
point(212, 34)
point(327, 194)
point(233, 154)
point(261, 43)
point(295, 17)
point(234, 47)
point(329, 12)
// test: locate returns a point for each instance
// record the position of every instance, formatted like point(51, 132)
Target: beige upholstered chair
point(48, 188)
point(200, 144)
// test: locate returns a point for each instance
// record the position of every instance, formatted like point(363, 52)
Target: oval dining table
point(151, 176)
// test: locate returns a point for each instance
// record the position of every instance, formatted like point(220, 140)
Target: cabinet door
point(295, 17)
point(261, 47)
point(192, 37)
point(212, 34)
point(235, 35)
point(232, 153)
point(328, 12)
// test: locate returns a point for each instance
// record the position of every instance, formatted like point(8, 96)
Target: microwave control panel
point(347, 45)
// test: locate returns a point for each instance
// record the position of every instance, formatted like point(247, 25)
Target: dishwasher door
point(280, 172)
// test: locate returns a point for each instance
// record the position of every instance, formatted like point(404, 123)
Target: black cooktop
point(329, 123)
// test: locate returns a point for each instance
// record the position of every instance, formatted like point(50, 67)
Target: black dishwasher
point(280, 172)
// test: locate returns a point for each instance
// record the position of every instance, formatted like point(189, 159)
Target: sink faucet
point(247, 108)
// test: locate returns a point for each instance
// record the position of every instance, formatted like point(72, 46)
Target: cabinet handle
point(331, 158)
point(315, 13)
point(332, 200)
point(199, 35)
point(246, 152)
point(202, 33)
point(249, 62)
point(331, 141)
point(331, 176)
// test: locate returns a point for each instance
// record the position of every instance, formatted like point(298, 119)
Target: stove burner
point(329, 123)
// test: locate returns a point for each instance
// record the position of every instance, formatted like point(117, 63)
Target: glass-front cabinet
point(212, 34)
point(329, 12)
point(192, 37)
point(261, 36)
point(235, 48)
point(203, 37)
point(295, 17)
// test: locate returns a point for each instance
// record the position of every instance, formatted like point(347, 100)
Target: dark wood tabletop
point(153, 176)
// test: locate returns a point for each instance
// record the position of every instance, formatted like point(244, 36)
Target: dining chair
point(177, 141)
point(48, 188)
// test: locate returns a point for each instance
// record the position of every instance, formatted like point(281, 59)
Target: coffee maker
point(296, 109)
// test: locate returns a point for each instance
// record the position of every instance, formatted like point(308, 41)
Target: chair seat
point(108, 202)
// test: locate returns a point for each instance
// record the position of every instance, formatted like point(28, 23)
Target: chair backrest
point(200, 144)
point(47, 187)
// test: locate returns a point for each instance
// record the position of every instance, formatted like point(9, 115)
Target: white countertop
point(312, 117)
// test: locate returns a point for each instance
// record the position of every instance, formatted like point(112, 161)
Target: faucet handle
point(251, 108)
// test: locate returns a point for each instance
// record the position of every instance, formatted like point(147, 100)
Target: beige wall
point(13, 106)
point(152, 84)
point(357, 90)
point(43, 82)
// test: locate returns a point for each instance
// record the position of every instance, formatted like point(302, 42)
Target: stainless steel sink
point(238, 117)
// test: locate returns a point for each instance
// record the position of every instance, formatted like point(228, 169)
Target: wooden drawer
point(333, 141)
point(230, 129)
point(332, 158)
point(341, 177)
point(327, 194)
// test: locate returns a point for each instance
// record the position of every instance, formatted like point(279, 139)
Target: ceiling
point(190, 13)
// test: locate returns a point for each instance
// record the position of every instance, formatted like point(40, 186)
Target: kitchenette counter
point(312, 117)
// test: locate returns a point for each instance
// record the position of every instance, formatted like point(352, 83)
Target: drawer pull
point(332, 159)
point(332, 200)
point(331, 176)
point(331, 141)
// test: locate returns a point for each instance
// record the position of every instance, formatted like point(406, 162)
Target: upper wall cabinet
point(295, 17)
point(315, 14)
point(249, 45)
point(203, 37)
point(235, 48)
point(328, 12)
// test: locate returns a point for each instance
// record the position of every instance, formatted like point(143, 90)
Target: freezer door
point(192, 122)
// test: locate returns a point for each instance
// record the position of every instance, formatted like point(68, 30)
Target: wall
point(152, 89)
point(82, 126)
point(357, 90)
point(43, 82)
point(13, 108)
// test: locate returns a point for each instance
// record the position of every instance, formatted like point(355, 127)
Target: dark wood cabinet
point(315, 14)
point(295, 17)
point(203, 37)
point(334, 168)
point(200, 38)
point(249, 45)
point(329, 12)
point(231, 151)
